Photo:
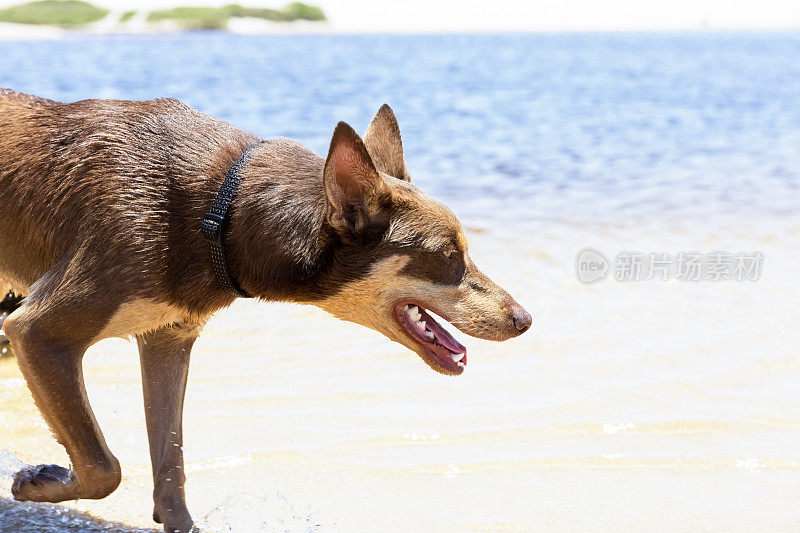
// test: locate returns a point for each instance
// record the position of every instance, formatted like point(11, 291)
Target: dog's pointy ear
point(352, 184)
point(384, 144)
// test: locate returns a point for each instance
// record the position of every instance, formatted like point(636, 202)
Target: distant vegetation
point(128, 15)
point(218, 17)
point(192, 17)
point(75, 13)
point(293, 11)
point(53, 12)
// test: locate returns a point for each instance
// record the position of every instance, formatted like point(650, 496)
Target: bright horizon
point(562, 15)
point(522, 15)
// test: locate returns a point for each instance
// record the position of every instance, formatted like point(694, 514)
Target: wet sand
point(657, 405)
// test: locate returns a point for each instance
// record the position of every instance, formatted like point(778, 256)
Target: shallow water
point(657, 405)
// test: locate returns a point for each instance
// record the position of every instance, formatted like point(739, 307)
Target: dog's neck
point(278, 242)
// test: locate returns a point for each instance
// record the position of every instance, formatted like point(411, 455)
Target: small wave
point(672, 427)
point(620, 461)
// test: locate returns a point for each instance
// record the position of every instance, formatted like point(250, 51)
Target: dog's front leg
point(50, 334)
point(164, 357)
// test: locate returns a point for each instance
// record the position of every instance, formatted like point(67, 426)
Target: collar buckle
point(212, 227)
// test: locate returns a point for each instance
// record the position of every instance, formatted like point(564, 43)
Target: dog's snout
point(522, 319)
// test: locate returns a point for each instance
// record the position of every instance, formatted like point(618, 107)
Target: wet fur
point(101, 232)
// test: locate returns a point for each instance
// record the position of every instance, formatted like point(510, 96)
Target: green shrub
point(128, 15)
point(205, 18)
point(259, 12)
point(53, 12)
point(217, 17)
point(299, 10)
point(293, 11)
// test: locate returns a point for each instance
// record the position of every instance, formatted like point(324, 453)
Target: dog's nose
point(522, 320)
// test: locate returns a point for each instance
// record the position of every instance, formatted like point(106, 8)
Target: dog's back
point(101, 175)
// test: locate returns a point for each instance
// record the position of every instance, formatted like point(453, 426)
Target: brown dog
point(101, 230)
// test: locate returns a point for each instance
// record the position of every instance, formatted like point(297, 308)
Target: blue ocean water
point(583, 127)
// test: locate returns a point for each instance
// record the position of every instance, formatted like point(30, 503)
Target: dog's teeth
point(429, 335)
point(421, 326)
point(413, 313)
point(457, 357)
point(462, 365)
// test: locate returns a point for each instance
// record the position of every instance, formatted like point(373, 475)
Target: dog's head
point(403, 255)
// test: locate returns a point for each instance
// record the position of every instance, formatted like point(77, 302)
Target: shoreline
point(10, 31)
point(31, 32)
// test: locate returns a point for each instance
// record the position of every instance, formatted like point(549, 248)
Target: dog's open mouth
point(448, 352)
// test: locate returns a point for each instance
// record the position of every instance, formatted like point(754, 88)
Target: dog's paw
point(175, 519)
point(44, 483)
point(180, 525)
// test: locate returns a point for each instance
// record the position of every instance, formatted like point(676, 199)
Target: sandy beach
point(642, 405)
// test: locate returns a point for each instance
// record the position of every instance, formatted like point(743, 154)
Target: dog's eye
point(448, 252)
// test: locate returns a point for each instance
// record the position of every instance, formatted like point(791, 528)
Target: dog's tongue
point(443, 337)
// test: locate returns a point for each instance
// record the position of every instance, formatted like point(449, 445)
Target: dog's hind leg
point(50, 333)
point(164, 358)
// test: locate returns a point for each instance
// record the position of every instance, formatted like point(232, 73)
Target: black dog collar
point(214, 223)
